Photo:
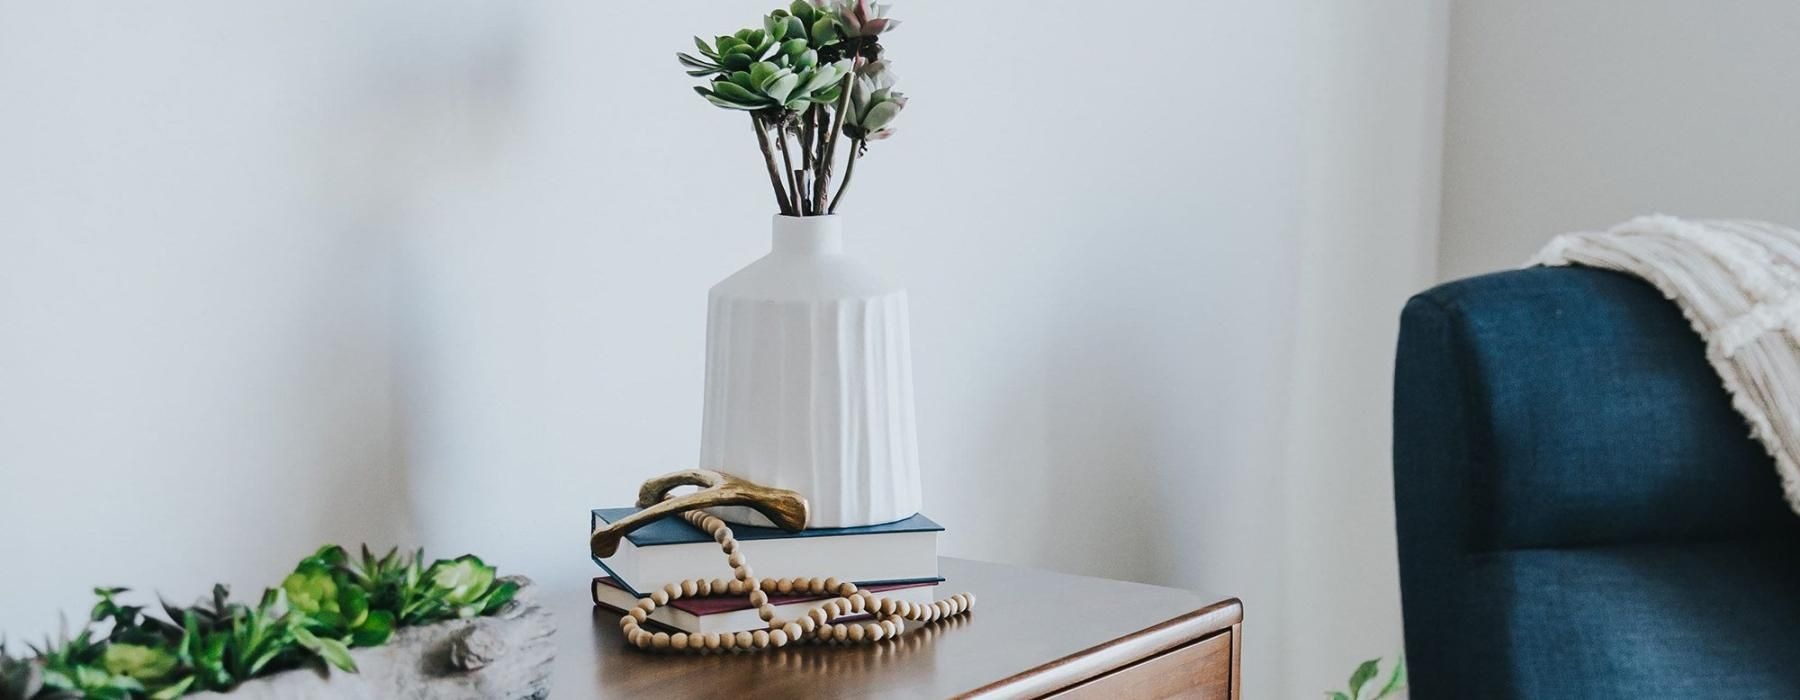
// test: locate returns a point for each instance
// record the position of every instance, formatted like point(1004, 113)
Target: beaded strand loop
point(818, 626)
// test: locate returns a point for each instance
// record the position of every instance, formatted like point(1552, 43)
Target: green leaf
point(824, 31)
point(803, 10)
point(775, 26)
point(375, 630)
point(1396, 682)
point(736, 61)
point(331, 650)
point(174, 691)
point(705, 50)
point(782, 87)
point(502, 594)
point(806, 60)
point(760, 74)
point(1336, 695)
point(140, 662)
point(793, 47)
point(1361, 676)
point(736, 93)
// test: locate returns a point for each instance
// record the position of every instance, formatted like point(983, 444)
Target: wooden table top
point(1032, 632)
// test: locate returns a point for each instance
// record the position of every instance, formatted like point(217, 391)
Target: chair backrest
point(1572, 406)
point(1553, 408)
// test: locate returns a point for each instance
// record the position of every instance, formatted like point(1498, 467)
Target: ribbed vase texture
point(809, 381)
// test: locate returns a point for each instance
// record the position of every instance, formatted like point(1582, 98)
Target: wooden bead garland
point(817, 626)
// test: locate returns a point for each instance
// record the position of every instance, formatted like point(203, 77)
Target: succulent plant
point(335, 607)
point(873, 103)
point(859, 18)
point(794, 77)
point(327, 606)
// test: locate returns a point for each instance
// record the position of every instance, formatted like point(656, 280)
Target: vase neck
point(808, 235)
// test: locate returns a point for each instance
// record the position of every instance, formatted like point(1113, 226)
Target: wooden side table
point(1032, 634)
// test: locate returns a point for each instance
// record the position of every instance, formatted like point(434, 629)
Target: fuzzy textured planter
point(505, 655)
point(809, 381)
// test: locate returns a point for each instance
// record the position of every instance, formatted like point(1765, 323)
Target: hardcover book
point(671, 550)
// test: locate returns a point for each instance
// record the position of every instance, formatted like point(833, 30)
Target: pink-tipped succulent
point(859, 18)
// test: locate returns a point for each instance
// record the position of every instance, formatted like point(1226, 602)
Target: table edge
point(1116, 653)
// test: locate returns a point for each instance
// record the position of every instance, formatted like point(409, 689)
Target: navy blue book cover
point(675, 530)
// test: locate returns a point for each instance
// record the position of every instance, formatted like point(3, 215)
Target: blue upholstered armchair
point(1581, 513)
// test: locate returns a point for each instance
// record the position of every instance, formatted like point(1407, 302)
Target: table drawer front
point(1202, 669)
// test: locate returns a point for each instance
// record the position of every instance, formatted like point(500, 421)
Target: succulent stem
point(787, 163)
point(762, 139)
point(837, 127)
point(849, 172)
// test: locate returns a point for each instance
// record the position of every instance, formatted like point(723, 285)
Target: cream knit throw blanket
point(1738, 283)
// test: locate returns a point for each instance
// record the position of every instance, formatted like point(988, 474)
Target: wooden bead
point(678, 641)
point(818, 616)
point(729, 545)
point(831, 584)
point(856, 633)
point(735, 587)
point(727, 641)
point(778, 638)
point(759, 598)
point(766, 612)
point(840, 632)
point(660, 640)
point(673, 591)
point(891, 627)
point(807, 624)
point(660, 598)
point(815, 585)
point(792, 629)
point(970, 597)
point(744, 574)
point(720, 534)
point(767, 585)
point(710, 641)
point(874, 632)
point(744, 639)
point(784, 586)
point(736, 561)
point(646, 605)
point(886, 606)
point(640, 638)
point(759, 638)
point(637, 614)
point(689, 588)
point(846, 588)
point(719, 586)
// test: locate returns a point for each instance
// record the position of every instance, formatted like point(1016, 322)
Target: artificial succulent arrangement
point(810, 76)
point(330, 604)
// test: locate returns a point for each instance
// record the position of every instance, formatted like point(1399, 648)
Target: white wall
point(437, 272)
point(1578, 114)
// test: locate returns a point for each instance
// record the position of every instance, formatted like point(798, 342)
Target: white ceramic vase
point(809, 380)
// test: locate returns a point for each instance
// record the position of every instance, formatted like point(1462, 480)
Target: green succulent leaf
point(705, 50)
point(1361, 676)
point(779, 89)
point(803, 10)
point(736, 93)
point(139, 662)
point(463, 580)
point(793, 47)
point(331, 650)
point(374, 631)
point(824, 31)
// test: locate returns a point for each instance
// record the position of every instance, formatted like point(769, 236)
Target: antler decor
point(787, 509)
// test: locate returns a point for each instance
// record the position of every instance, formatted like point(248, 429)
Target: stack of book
point(897, 560)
